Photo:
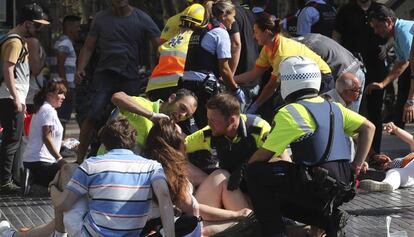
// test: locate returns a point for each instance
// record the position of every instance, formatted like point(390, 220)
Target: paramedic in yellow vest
point(164, 78)
point(141, 113)
point(172, 26)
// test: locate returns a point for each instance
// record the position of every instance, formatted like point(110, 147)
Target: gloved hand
point(236, 178)
point(158, 116)
point(241, 97)
point(382, 54)
point(252, 109)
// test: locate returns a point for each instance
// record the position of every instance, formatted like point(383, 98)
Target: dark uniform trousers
point(403, 90)
point(278, 189)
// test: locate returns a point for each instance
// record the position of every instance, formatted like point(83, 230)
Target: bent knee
point(68, 169)
point(66, 173)
point(221, 173)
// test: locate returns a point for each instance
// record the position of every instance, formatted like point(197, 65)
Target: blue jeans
point(106, 83)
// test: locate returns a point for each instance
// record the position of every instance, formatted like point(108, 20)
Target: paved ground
point(368, 210)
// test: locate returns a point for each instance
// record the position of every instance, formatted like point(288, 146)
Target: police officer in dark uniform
point(318, 16)
point(312, 187)
point(229, 140)
point(209, 51)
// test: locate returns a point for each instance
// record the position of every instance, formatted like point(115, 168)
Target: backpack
point(22, 54)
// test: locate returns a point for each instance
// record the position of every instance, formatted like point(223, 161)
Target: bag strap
point(330, 138)
point(14, 36)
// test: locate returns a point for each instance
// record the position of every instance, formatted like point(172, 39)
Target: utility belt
point(332, 193)
point(209, 85)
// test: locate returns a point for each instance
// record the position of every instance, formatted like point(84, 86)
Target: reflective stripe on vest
point(173, 54)
point(299, 120)
point(171, 64)
point(163, 82)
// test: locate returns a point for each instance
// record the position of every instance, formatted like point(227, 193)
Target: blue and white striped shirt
point(119, 188)
point(64, 45)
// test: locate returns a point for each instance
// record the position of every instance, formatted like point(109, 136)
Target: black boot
point(337, 223)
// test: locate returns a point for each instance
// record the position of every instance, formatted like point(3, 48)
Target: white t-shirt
point(36, 150)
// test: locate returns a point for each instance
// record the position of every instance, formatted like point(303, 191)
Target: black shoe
point(9, 188)
point(26, 182)
point(336, 228)
point(248, 226)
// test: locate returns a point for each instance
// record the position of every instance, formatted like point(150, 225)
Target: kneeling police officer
point(312, 187)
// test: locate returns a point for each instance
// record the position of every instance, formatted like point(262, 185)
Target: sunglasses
point(357, 90)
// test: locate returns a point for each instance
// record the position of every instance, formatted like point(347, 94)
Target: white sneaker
point(57, 234)
point(5, 229)
point(375, 186)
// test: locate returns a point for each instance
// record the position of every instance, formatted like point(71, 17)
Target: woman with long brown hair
point(165, 144)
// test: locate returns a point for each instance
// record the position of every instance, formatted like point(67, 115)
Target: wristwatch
point(410, 102)
point(235, 89)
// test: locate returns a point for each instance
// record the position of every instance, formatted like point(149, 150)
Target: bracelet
point(49, 189)
point(236, 89)
point(357, 168)
point(53, 185)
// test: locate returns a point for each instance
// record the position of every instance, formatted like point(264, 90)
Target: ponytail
point(266, 21)
point(39, 99)
point(222, 7)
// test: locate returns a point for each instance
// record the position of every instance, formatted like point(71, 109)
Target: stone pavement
point(368, 210)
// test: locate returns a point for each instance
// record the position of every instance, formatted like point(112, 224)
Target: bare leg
point(62, 178)
point(213, 227)
point(195, 175)
point(213, 192)
point(65, 174)
point(85, 137)
point(38, 231)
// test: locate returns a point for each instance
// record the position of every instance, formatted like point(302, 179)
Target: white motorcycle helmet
point(298, 73)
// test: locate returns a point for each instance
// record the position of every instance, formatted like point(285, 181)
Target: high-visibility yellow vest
point(171, 63)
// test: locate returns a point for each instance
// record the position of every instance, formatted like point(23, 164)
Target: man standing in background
point(66, 64)
point(351, 24)
point(14, 88)
point(119, 32)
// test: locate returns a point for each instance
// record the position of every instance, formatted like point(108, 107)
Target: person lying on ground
point(400, 171)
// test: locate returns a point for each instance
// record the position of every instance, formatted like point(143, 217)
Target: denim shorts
point(106, 83)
